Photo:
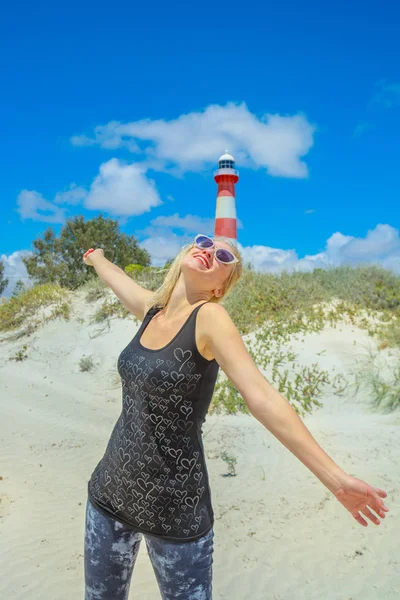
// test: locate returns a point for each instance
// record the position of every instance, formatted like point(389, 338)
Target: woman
point(152, 479)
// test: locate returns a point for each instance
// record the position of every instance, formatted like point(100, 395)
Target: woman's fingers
point(380, 506)
point(381, 494)
point(370, 515)
point(376, 503)
point(359, 518)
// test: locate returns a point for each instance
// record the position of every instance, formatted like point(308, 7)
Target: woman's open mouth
point(203, 260)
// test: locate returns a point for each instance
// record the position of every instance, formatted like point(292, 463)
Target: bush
point(95, 289)
point(133, 269)
point(86, 363)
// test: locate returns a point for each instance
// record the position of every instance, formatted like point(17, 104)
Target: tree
point(59, 260)
point(3, 280)
point(19, 287)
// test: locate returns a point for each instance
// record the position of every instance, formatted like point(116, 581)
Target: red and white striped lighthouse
point(225, 217)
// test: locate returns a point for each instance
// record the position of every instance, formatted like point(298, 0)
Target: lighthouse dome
point(226, 161)
point(226, 156)
point(226, 168)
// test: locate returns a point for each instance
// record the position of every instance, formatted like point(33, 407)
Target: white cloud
point(108, 136)
point(267, 259)
point(161, 227)
point(162, 247)
point(32, 205)
point(190, 224)
point(122, 189)
point(119, 189)
point(14, 269)
point(193, 141)
point(73, 195)
point(380, 246)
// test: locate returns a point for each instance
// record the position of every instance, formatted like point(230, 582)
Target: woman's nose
point(209, 252)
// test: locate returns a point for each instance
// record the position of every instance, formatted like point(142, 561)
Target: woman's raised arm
point(132, 295)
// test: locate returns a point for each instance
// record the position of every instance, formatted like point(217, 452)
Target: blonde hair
point(162, 295)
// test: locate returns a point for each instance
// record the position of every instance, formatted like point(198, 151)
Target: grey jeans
point(183, 570)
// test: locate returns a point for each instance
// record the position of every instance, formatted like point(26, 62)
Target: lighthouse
point(225, 217)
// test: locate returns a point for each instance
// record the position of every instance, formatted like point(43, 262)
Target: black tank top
point(153, 474)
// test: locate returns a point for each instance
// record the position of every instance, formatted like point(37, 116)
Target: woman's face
point(202, 263)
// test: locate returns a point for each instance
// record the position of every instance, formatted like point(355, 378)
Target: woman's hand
point(87, 257)
point(356, 495)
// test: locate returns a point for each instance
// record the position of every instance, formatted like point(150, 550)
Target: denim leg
point(183, 570)
point(111, 549)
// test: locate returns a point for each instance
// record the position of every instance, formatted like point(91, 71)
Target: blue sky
point(125, 110)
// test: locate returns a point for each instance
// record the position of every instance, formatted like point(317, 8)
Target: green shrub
point(95, 289)
point(133, 269)
point(20, 354)
point(86, 363)
point(111, 308)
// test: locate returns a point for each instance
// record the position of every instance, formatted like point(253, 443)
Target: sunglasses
point(221, 254)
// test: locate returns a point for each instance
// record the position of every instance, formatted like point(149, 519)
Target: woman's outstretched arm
point(269, 407)
point(277, 415)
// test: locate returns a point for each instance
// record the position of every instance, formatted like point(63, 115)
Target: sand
point(279, 533)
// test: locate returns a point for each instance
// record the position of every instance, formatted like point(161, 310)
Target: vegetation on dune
point(86, 363)
point(377, 373)
point(27, 310)
point(273, 307)
point(296, 300)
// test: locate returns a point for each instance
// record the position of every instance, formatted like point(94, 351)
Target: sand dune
point(279, 533)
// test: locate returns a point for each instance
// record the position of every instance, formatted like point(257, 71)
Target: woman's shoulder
point(207, 318)
point(213, 309)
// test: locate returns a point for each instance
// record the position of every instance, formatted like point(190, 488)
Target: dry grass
point(275, 306)
point(28, 310)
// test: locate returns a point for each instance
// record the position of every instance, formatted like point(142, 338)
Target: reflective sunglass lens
point(204, 241)
point(224, 255)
